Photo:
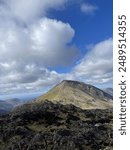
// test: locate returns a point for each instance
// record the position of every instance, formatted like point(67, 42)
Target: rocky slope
point(79, 94)
point(49, 126)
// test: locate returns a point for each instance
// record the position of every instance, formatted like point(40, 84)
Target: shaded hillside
point(109, 91)
point(79, 94)
point(48, 126)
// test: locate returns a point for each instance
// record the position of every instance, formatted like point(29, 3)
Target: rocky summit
point(49, 126)
point(79, 94)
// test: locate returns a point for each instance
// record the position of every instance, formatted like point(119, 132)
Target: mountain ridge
point(79, 94)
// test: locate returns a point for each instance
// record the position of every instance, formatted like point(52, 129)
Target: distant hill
point(79, 94)
point(9, 104)
point(14, 101)
point(5, 107)
point(109, 91)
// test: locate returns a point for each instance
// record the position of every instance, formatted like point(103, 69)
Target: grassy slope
point(68, 95)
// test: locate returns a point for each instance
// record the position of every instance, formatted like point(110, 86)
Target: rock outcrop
point(49, 126)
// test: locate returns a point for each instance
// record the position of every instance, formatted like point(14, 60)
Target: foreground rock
point(48, 126)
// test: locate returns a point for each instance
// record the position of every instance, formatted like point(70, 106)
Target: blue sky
point(45, 42)
point(89, 28)
point(93, 27)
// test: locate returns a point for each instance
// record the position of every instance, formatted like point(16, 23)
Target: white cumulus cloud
point(97, 64)
point(45, 43)
point(94, 68)
point(30, 43)
point(27, 11)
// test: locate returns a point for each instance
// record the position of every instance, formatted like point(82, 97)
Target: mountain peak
point(79, 94)
point(70, 81)
point(73, 84)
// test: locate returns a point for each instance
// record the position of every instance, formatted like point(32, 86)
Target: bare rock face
point(47, 126)
point(79, 94)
